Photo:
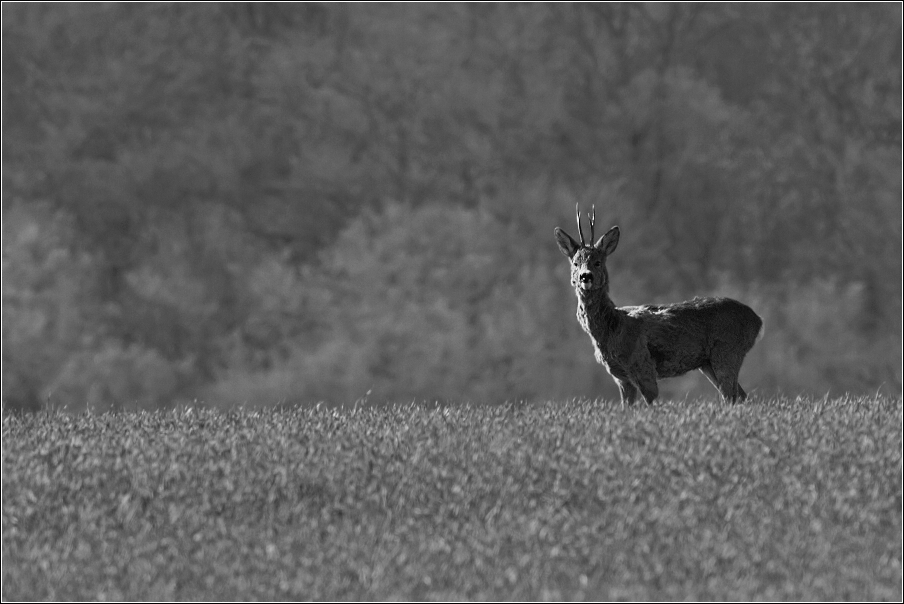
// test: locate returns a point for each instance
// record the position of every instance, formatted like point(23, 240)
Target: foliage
point(434, 316)
point(179, 181)
point(778, 499)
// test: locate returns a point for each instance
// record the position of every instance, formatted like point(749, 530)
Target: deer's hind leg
point(707, 370)
point(723, 372)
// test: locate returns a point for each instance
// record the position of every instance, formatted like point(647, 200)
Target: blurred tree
point(49, 301)
point(422, 303)
point(176, 178)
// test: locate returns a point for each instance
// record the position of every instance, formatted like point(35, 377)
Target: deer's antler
point(577, 213)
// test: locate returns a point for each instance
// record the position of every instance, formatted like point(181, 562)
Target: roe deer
point(640, 344)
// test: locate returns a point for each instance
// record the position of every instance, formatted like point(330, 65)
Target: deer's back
point(684, 336)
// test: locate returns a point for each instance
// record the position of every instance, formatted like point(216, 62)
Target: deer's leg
point(649, 389)
point(643, 376)
point(707, 370)
point(627, 390)
point(725, 373)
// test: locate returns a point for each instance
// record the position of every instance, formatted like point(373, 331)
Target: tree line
point(279, 203)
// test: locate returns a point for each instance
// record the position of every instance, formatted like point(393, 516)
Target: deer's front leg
point(643, 374)
point(649, 389)
point(627, 390)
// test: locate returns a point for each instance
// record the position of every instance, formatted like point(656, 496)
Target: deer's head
point(588, 261)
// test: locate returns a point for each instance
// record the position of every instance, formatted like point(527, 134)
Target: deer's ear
point(608, 242)
point(568, 245)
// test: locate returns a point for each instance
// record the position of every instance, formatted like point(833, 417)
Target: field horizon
point(782, 498)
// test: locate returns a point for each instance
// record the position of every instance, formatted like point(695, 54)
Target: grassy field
point(779, 499)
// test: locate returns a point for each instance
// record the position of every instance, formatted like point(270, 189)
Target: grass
point(770, 500)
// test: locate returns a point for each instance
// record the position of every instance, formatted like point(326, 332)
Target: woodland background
point(262, 204)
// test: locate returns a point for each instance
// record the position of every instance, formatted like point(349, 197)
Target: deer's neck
point(598, 315)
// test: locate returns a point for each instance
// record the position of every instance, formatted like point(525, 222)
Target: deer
point(639, 345)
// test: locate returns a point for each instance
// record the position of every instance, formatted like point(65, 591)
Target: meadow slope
point(779, 499)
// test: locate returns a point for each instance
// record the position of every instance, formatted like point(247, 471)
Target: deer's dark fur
point(641, 344)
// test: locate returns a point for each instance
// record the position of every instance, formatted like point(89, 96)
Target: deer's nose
point(586, 277)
